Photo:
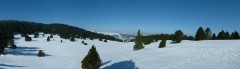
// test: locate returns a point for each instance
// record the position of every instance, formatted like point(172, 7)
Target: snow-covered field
point(209, 54)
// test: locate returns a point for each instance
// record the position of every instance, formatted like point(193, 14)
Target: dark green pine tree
point(232, 36)
point(91, 38)
point(51, 36)
point(10, 40)
point(237, 35)
point(177, 38)
point(105, 40)
point(92, 60)
point(3, 42)
point(208, 34)
point(138, 42)
point(85, 44)
point(100, 39)
point(221, 35)
point(82, 42)
point(27, 38)
point(12, 45)
point(72, 39)
point(36, 35)
point(162, 44)
point(227, 35)
point(23, 34)
point(41, 54)
point(200, 35)
point(214, 37)
point(48, 38)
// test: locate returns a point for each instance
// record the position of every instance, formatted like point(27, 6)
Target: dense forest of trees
point(154, 38)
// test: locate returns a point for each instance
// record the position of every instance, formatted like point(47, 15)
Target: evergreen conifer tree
point(36, 35)
point(92, 60)
point(27, 38)
point(72, 39)
point(41, 54)
point(162, 43)
point(208, 34)
point(233, 35)
point(3, 42)
point(23, 34)
point(200, 35)
point(91, 38)
point(48, 38)
point(138, 42)
point(10, 40)
point(105, 40)
point(221, 35)
point(100, 39)
point(227, 35)
point(82, 42)
point(237, 35)
point(178, 36)
point(214, 37)
point(51, 36)
point(85, 44)
point(12, 45)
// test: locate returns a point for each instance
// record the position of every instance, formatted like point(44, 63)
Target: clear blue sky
point(150, 16)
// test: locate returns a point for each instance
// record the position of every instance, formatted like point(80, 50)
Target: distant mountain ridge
point(122, 36)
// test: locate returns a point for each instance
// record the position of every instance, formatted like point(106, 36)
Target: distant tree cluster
point(207, 35)
point(154, 38)
point(105, 40)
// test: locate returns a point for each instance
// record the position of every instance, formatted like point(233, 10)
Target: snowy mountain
point(122, 36)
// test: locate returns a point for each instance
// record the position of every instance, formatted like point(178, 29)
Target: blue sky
point(150, 16)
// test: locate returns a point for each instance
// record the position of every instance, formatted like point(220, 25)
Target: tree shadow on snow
point(2, 66)
point(122, 65)
point(17, 38)
point(24, 51)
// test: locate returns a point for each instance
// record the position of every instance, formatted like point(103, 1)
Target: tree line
point(201, 34)
point(63, 30)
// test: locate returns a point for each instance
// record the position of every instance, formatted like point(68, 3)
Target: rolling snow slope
point(208, 54)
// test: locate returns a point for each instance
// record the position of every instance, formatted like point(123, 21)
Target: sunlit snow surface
point(207, 54)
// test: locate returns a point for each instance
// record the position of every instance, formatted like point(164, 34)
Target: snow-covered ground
point(208, 54)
